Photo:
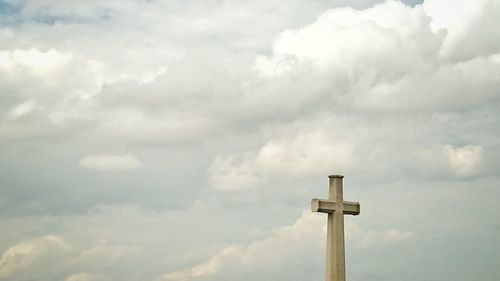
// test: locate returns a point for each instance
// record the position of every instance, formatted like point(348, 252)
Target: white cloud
point(82, 277)
point(111, 162)
point(46, 93)
point(76, 259)
point(370, 238)
point(389, 58)
point(152, 76)
point(285, 242)
point(24, 256)
point(339, 38)
point(464, 160)
point(38, 62)
point(233, 174)
point(284, 245)
point(275, 66)
point(162, 101)
point(212, 266)
point(22, 109)
point(304, 155)
point(471, 27)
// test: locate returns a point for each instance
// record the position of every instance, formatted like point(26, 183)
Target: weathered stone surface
point(335, 207)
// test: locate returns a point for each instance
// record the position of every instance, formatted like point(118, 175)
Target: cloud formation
point(24, 257)
point(310, 154)
point(110, 162)
point(178, 140)
point(285, 247)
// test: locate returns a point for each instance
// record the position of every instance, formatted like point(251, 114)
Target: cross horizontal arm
point(351, 208)
point(327, 206)
point(323, 206)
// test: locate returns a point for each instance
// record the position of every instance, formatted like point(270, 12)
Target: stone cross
point(335, 207)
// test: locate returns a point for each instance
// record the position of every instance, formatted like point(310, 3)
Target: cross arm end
point(352, 208)
point(315, 205)
point(323, 206)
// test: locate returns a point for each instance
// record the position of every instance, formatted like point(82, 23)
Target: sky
point(183, 140)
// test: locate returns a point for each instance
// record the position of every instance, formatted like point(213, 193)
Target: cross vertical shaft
point(335, 245)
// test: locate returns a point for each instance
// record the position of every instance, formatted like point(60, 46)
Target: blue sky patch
point(7, 8)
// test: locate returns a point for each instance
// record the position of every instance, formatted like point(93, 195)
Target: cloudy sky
point(183, 140)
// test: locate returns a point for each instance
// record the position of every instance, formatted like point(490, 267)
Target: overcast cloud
point(183, 140)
